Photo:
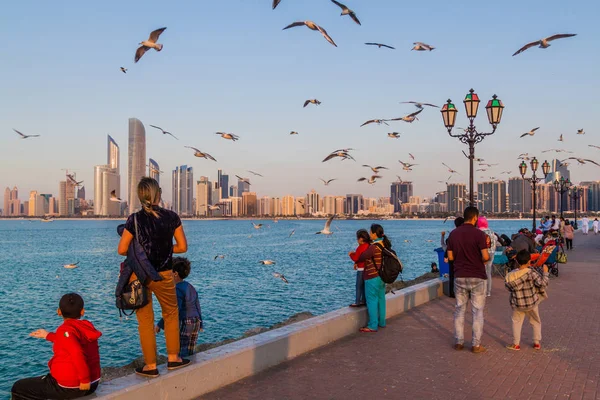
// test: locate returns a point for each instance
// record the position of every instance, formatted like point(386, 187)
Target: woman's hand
point(39, 334)
point(156, 329)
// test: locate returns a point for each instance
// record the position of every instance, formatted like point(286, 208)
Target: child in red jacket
point(75, 366)
point(364, 240)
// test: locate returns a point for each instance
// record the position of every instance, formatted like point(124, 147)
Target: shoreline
point(34, 219)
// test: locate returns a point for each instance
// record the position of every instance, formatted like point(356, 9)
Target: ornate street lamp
point(534, 180)
point(561, 186)
point(471, 136)
point(575, 193)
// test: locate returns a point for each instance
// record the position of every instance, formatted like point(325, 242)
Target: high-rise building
point(113, 156)
point(300, 206)
point(287, 206)
point(223, 181)
point(519, 195)
point(137, 162)
point(5, 209)
point(47, 198)
point(400, 193)
point(340, 203)
point(249, 204)
point(66, 198)
point(329, 205)
point(81, 193)
point(263, 206)
point(593, 195)
point(233, 191)
point(36, 204)
point(313, 201)
point(53, 206)
point(243, 187)
point(354, 203)
point(457, 197)
point(154, 170)
point(557, 170)
point(236, 205)
point(183, 190)
point(106, 180)
point(544, 194)
point(203, 196)
point(492, 196)
point(275, 206)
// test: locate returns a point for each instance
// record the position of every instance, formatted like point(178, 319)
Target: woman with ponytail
point(154, 228)
point(374, 286)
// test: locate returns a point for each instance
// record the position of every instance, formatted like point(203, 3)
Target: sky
point(229, 66)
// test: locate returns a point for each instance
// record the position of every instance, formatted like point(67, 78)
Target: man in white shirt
point(595, 226)
point(556, 223)
point(585, 225)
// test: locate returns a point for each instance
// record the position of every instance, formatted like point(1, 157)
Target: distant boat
point(45, 219)
point(71, 266)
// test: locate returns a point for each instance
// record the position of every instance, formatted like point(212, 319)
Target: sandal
point(367, 330)
point(171, 365)
point(149, 373)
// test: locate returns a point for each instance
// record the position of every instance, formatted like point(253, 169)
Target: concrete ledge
point(221, 366)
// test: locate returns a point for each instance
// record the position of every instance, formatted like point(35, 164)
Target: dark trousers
point(569, 244)
point(45, 387)
point(451, 278)
point(360, 288)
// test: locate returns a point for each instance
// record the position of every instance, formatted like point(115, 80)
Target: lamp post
point(534, 180)
point(561, 186)
point(575, 193)
point(471, 136)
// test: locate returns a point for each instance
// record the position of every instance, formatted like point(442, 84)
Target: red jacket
point(359, 250)
point(76, 358)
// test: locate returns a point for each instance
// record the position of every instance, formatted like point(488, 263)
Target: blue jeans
point(360, 288)
point(375, 294)
point(465, 288)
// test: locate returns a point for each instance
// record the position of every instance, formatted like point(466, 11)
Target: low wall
point(221, 366)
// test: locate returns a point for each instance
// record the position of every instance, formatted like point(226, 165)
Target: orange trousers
point(167, 297)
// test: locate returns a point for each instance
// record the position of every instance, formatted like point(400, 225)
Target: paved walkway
point(413, 358)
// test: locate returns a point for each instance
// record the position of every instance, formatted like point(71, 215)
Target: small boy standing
point(527, 288)
point(75, 366)
point(190, 314)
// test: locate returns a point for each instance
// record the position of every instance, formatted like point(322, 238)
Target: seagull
point(163, 131)
point(544, 42)
point(154, 169)
point(452, 171)
point(523, 156)
point(339, 153)
point(580, 132)
point(408, 118)
point(481, 169)
point(380, 45)
point(326, 230)
point(280, 276)
point(293, 133)
point(531, 132)
point(311, 25)
point(582, 160)
point(228, 136)
point(418, 104)
point(419, 46)
point(406, 166)
point(200, 154)
point(407, 241)
point(245, 180)
point(411, 156)
point(560, 139)
point(221, 256)
point(557, 151)
point(71, 266)
point(399, 179)
point(371, 180)
point(292, 233)
point(255, 173)
point(312, 101)
point(394, 135)
point(326, 183)
point(213, 207)
point(257, 226)
point(113, 197)
point(374, 169)
point(267, 262)
point(124, 70)
point(73, 180)
point(445, 219)
point(375, 121)
point(594, 146)
point(346, 11)
point(149, 44)
point(506, 172)
point(276, 3)
point(25, 136)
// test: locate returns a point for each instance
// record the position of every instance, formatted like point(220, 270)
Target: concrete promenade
point(413, 357)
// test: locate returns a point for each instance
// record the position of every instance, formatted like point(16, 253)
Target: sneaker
point(537, 346)
point(478, 349)
point(458, 346)
point(514, 347)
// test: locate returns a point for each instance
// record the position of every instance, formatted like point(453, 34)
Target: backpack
point(391, 266)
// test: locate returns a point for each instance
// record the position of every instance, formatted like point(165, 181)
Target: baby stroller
point(547, 255)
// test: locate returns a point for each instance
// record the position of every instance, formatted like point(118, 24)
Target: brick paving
point(413, 357)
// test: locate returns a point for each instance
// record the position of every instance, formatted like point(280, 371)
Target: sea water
point(236, 293)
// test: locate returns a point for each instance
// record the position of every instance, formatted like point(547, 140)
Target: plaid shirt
point(525, 286)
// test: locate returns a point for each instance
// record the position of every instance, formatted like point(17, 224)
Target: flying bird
point(124, 70)
point(149, 44)
point(213, 207)
point(419, 46)
point(394, 135)
point(346, 11)
point(399, 179)
point(344, 155)
point(408, 118)
point(311, 25)
point(280, 276)
point(418, 104)
point(201, 154)
point(163, 131)
point(452, 171)
point(594, 146)
point(520, 157)
point(543, 43)
point(560, 139)
point(25, 136)
point(292, 233)
point(267, 262)
point(255, 173)
point(531, 132)
point(374, 169)
point(73, 180)
point(581, 160)
point(276, 3)
point(380, 45)
point(327, 229)
point(71, 266)
point(406, 166)
point(245, 180)
point(411, 156)
point(580, 132)
point(228, 136)
point(506, 172)
point(371, 180)
point(257, 226)
point(312, 101)
point(293, 133)
point(221, 256)
point(326, 183)
point(113, 197)
point(375, 121)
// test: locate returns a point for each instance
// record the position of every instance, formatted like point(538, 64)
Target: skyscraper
point(249, 204)
point(5, 209)
point(354, 203)
point(66, 198)
point(81, 193)
point(400, 193)
point(106, 179)
point(557, 170)
point(519, 195)
point(113, 155)
point(203, 196)
point(137, 162)
point(242, 187)
point(223, 181)
point(183, 190)
point(457, 194)
point(593, 195)
point(154, 170)
point(287, 206)
point(329, 205)
point(313, 202)
point(492, 196)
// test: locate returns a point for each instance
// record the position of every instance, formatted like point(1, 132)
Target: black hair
point(182, 266)
point(364, 235)
point(434, 267)
point(471, 213)
point(71, 305)
point(567, 222)
point(523, 257)
point(378, 230)
point(458, 221)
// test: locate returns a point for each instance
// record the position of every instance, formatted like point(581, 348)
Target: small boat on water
point(46, 219)
point(71, 266)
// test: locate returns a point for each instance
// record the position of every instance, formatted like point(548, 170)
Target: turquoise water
point(236, 293)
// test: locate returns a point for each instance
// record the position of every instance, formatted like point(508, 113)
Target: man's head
point(181, 267)
point(70, 306)
point(523, 257)
point(471, 214)
point(458, 221)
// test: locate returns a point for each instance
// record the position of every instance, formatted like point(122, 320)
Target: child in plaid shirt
point(190, 315)
point(527, 289)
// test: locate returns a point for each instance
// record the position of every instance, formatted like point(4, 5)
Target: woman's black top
point(156, 235)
